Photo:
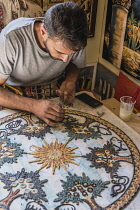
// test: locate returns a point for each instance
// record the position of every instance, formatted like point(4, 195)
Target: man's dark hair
point(67, 22)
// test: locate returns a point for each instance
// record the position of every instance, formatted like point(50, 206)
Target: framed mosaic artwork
point(89, 6)
point(122, 36)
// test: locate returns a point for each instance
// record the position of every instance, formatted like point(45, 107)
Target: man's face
point(56, 50)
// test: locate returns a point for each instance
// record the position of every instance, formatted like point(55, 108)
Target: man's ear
point(43, 31)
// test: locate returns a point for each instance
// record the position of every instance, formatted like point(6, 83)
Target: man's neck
point(38, 36)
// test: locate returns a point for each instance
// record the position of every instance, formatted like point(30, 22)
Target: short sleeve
point(6, 56)
point(79, 58)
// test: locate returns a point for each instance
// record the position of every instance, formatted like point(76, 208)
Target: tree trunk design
point(12, 195)
point(91, 202)
point(123, 158)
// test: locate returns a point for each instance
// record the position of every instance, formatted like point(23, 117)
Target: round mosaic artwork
point(85, 163)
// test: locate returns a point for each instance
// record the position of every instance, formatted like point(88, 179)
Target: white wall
point(92, 50)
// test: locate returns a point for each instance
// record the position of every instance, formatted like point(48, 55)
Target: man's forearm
point(72, 72)
point(46, 110)
point(13, 101)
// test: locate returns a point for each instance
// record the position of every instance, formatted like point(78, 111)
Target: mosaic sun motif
point(54, 155)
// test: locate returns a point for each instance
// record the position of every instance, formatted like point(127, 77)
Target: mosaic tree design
point(38, 129)
point(81, 189)
point(9, 152)
point(54, 155)
point(22, 124)
point(106, 157)
point(22, 184)
point(77, 130)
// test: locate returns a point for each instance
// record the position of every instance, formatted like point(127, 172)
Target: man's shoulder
point(19, 23)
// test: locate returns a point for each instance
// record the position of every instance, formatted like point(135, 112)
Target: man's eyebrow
point(60, 52)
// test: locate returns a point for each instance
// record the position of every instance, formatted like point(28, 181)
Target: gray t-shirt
point(23, 62)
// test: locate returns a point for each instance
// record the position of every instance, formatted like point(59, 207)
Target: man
point(36, 51)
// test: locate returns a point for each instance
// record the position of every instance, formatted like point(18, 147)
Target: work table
point(114, 106)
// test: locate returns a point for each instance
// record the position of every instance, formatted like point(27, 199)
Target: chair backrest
point(10, 10)
point(126, 87)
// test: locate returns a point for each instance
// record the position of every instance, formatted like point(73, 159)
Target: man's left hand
point(66, 92)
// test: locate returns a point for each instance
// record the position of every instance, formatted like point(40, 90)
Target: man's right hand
point(49, 111)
